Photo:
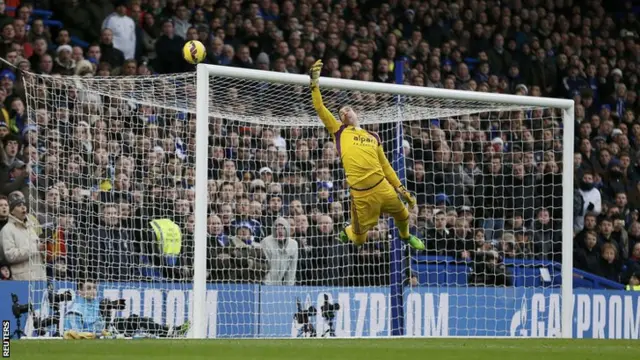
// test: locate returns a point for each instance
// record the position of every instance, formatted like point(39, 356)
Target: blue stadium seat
point(76, 41)
point(53, 23)
point(583, 279)
point(440, 271)
point(171, 261)
point(149, 271)
point(44, 14)
point(447, 271)
point(471, 63)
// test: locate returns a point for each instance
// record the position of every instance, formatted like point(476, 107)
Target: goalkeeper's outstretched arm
point(393, 179)
point(389, 173)
point(325, 115)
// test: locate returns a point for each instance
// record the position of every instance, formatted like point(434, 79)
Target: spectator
point(371, 261)
point(94, 53)
point(243, 214)
point(488, 271)
point(490, 196)
point(46, 65)
point(218, 247)
point(109, 248)
point(21, 248)
point(610, 266)
point(281, 252)
point(168, 50)
point(58, 235)
point(19, 178)
point(77, 54)
point(439, 240)
point(633, 263)
point(573, 82)
point(4, 211)
point(620, 235)
point(248, 257)
point(5, 273)
point(590, 224)
point(523, 246)
point(123, 30)
point(181, 21)
point(63, 63)
point(520, 190)
point(150, 34)
point(464, 236)
point(634, 282)
point(77, 20)
point(547, 238)
point(330, 264)
point(591, 199)
point(499, 57)
point(587, 258)
point(615, 182)
point(109, 53)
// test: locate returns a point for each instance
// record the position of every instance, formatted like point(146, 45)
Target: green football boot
point(414, 242)
point(343, 238)
point(182, 330)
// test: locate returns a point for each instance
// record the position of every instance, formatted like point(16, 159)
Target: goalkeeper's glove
point(406, 196)
point(78, 335)
point(314, 73)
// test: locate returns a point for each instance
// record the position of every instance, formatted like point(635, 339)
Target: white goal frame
point(204, 73)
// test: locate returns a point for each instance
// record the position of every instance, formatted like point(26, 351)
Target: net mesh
point(110, 155)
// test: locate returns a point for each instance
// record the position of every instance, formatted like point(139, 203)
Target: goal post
point(201, 203)
point(239, 160)
point(396, 258)
point(438, 103)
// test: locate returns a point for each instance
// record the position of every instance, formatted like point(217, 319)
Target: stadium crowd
point(488, 185)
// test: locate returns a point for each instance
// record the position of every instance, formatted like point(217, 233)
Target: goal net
point(114, 160)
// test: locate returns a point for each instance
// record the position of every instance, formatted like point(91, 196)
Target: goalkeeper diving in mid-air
point(374, 185)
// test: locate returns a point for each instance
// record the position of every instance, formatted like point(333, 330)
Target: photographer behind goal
point(89, 317)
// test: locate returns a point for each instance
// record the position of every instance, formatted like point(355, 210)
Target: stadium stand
point(588, 51)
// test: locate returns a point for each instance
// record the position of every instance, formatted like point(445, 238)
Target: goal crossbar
point(375, 87)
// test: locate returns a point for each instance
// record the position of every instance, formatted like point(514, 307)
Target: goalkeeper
point(373, 184)
point(89, 317)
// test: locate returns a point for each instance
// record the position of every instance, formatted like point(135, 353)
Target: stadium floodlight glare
point(106, 133)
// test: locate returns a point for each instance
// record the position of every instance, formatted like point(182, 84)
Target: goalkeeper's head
point(87, 289)
point(348, 116)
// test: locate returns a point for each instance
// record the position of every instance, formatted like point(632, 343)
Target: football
point(194, 52)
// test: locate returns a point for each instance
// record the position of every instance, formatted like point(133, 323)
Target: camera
point(329, 314)
point(56, 299)
point(43, 324)
point(106, 306)
point(303, 317)
point(18, 309)
point(329, 310)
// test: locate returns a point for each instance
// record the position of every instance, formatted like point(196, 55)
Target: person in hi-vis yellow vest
point(634, 282)
point(164, 244)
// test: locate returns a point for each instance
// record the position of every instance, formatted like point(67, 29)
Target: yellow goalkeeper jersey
point(360, 151)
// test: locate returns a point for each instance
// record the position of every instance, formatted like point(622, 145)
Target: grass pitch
point(365, 349)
